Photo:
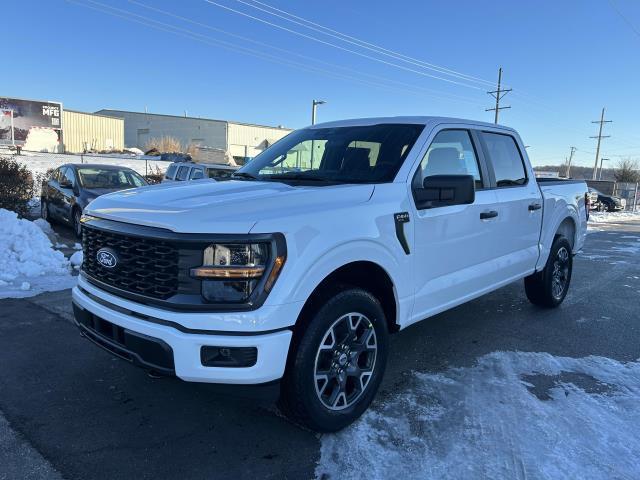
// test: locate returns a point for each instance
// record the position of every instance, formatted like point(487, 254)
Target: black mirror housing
point(445, 190)
point(65, 184)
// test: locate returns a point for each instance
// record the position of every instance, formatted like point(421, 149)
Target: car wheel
point(604, 207)
point(75, 222)
point(549, 287)
point(337, 363)
point(44, 211)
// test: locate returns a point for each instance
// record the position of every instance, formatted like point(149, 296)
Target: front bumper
point(174, 349)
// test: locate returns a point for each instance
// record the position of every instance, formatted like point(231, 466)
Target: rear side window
point(183, 171)
point(450, 153)
point(171, 171)
point(506, 159)
point(196, 174)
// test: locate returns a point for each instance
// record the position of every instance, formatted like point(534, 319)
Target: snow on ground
point(29, 264)
point(513, 415)
point(613, 217)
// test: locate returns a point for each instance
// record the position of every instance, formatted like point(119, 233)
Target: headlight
point(231, 273)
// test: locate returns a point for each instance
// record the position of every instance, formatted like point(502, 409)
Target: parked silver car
point(184, 171)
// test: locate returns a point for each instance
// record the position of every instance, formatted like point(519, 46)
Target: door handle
point(534, 206)
point(489, 214)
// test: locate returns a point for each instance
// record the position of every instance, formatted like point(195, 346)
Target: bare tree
point(627, 171)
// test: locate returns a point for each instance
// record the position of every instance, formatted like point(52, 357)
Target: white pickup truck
point(299, 269)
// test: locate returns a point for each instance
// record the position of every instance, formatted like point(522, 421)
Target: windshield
point(109, 178)
point(363, 154)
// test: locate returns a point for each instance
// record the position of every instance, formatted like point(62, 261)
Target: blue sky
point(565, 60)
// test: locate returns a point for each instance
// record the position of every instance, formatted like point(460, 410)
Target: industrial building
point(82, 132)
point(241, 140)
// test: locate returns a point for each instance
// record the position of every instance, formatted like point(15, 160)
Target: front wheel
point(338, 362)
point(75, 222)
point(548, 287)
point(44, 211)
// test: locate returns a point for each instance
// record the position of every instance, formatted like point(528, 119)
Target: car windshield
point(109, 178)
point(358, 154)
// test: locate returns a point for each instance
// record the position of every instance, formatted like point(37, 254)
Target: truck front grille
point(144, 265)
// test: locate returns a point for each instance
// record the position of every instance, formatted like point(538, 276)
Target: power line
point(190, 34)
point(319, 40)
point(441, 94)
point(602, 121)
point(498, 94)
point(358, 42)
point(626, 20)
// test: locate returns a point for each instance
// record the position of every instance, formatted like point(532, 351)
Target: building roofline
point(194, 118)
point(94, 114)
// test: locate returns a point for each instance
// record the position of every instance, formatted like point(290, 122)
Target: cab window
point(183, 171)
point(450, 153)
point(506, 159)
point(171, 171)
point(196, 174)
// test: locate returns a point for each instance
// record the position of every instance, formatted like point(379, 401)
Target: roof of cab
point(417, 120)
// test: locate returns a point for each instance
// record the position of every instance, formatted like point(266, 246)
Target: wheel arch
point(365, 274)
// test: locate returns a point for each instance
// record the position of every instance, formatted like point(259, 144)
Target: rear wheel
point(548, 287)
point(338, 362)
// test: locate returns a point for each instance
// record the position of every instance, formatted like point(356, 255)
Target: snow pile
point(613, 217)
point(513, 415)
point(76, 259)
point(44, 226)
point(28, 262)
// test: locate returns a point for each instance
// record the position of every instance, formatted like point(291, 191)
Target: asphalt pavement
point(69, 410)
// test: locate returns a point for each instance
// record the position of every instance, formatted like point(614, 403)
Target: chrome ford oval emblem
point(107, 258)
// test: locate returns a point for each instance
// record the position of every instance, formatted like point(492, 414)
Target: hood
point(221, 207)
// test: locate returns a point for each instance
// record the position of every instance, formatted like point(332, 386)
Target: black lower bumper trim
point(141, 350)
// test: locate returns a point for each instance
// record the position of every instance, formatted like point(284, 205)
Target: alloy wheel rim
point(345, 361)
point(560, 273)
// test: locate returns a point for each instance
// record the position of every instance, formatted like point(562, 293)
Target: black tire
point(76, 214)
point(549, 287)
point(305, 396)
point(44, 211)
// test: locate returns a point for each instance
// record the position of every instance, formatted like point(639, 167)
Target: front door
point(454, 246)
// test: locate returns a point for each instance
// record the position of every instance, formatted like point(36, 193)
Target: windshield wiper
point(244, 175)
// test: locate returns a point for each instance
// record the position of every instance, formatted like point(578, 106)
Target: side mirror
point(445, 190)
point(65, 183)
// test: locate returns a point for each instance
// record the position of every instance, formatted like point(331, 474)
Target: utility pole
point(498, 94)
point(602, 160)
point(314, 105)
point(602, 121)
point(573, 149)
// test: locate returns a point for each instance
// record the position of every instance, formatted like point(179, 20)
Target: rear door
point(67, 195)
point(519, 205)
point(454, 246)
point(55, 193)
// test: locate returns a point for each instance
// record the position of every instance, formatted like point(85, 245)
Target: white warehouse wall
point(140, 127)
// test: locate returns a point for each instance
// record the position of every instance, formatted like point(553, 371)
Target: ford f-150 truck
point(299, 268)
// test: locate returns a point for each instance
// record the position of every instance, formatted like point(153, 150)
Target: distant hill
point(578, 172)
